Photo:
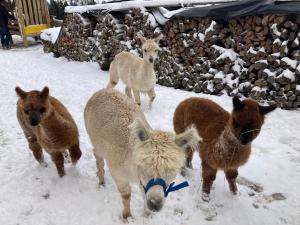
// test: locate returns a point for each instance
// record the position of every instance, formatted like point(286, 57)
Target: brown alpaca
point(47, 124)
point(226, 137)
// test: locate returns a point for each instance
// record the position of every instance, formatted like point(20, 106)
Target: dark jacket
point(4, 15)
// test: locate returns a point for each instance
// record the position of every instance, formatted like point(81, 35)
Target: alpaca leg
point(128, 92)
point(152, 96)
point(188, 163)
point(100, 170)
point(75, 153)
point(58, 159)
point(36, 150)
point(113, 76)
point(208, 176)
point(137, 97)
point(125, 191)
point(231, 176)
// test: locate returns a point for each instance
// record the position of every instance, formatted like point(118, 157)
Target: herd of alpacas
point(132, 150)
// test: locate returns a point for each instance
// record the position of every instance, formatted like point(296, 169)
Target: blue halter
point(167, 189)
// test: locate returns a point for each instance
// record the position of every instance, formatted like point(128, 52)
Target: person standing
point(4, 31)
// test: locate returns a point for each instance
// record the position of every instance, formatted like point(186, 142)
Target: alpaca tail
point(113, 76)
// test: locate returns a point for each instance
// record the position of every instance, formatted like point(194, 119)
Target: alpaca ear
point(142, 38)
point(22, 94)
point(266, 109)
point(237, 104)
point(139, 130)
point(44, 93)
point(158, 38)
point(189, 138)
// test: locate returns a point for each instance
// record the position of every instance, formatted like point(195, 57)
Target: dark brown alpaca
point(226, 137)
point(47, 124)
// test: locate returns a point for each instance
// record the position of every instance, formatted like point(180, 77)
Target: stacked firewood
point(76, 42)
point(253, 56)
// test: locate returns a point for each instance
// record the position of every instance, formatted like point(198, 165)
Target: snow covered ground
point(33, 195)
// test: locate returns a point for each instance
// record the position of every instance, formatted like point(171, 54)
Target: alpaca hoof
point(233, 188)
point(126, 216)
point(101, 184)
point(139, 104)
point(205, 197)
point(61, 173)
point(44, 164)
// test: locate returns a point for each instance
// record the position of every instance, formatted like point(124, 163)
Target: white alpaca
point(137, 73)
point(132, 150)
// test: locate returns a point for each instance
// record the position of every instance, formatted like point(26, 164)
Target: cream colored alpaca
point(137, 73)
point(132, 150)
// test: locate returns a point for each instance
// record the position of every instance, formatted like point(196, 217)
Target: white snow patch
point(211, 27)
point(50, 34)
point(291, 62)
point(226, 53)
point(269, 73)
point(288, 74)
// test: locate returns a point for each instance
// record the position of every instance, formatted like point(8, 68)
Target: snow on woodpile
point(50, 34)
point(252, 56)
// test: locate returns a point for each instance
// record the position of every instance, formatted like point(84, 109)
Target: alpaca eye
point(26, 111)
point(145, 50)
point(42, 109)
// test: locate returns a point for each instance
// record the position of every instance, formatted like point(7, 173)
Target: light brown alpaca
point(133, 151)
point(226, 137)
point(47, 124)
point(137, 73)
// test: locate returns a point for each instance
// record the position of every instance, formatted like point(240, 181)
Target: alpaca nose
point(151, 59)
point(245, 138)
point(155, 204)
point(34, 119)
point(34, 122)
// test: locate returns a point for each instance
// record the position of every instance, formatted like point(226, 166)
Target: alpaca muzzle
point(34, 118)
point(161, 182)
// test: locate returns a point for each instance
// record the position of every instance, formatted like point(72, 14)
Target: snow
point(252, 51)
point(140, 4)
point(211, 27)
point(50, 34)
point(219, 75)
point(269, 73)
point(31, 194)
point(275, 30)
point(288, 74)
point(226, 53)
point(290, 62)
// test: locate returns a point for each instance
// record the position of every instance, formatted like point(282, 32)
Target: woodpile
point(253, 56)
point(75, 42)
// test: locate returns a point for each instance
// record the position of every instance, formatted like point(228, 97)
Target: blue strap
point(176, 188)
point(162, 183)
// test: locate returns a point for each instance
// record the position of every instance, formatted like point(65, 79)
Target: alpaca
point(133, 151)
point(47, 124)
point(137, 73)
point(226, 137)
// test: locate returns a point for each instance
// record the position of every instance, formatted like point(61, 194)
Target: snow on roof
point(115, 6)
point(50, 34)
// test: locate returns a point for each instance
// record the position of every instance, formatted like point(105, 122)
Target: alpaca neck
point(52, 123)
point(227, 142)
point(147, 65)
